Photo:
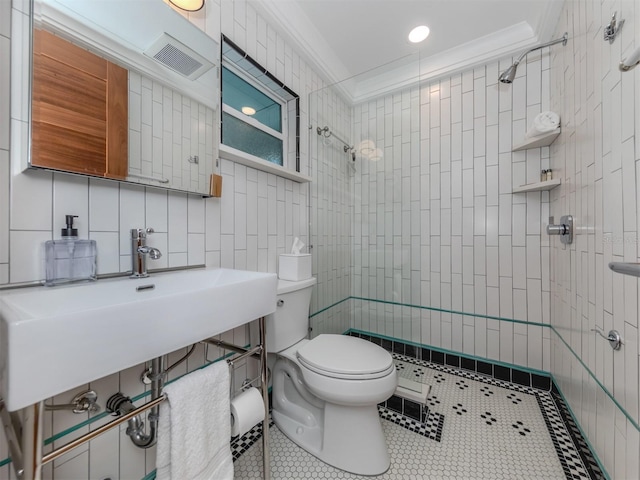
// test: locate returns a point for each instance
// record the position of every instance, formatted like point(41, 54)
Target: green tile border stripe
point(602, 387)
point(434, 309)
point(453, 312)
point(4, 462)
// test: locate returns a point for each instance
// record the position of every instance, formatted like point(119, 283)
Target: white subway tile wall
point(257, 218)
point(597, 158)
point(436, 225)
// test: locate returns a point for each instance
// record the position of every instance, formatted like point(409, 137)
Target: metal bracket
point(81, 403)
point(612, 30)
point(614, 338)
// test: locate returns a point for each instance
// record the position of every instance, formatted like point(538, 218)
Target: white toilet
point(326, 390)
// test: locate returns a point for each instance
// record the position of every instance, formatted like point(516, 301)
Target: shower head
point(509, 74)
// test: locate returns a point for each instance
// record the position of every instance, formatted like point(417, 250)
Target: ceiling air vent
point(178, 57)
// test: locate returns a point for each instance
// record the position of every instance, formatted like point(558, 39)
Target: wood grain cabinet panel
point(79, 110)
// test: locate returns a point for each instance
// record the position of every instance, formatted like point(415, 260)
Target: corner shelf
point(539, 141)
point(537, 187)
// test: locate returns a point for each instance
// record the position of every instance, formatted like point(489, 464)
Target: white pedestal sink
point(53, 339)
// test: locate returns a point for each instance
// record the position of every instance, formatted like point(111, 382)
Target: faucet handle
point(141, 232)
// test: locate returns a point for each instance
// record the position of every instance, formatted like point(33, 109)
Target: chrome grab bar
point(626, 268)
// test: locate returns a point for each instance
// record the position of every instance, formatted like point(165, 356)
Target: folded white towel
point(194, 427)
point(544, 122)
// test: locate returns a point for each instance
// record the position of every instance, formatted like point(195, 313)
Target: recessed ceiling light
point(418, 34)
point(248, 110)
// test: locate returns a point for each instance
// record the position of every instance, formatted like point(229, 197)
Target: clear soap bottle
point(70, 259)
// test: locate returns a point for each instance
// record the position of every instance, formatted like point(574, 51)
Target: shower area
point(416, 233)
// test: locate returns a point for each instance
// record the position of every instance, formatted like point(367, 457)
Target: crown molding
point(290, 20)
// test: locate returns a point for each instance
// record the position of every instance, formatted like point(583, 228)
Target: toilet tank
point(290, 322)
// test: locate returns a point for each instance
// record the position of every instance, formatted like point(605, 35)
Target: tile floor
point(476, 428)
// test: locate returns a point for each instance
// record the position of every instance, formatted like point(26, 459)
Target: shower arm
point(562, 40)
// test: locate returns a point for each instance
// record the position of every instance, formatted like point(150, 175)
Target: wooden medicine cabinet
point(79, 110)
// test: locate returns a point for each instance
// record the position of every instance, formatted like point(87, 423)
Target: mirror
point(125, 90)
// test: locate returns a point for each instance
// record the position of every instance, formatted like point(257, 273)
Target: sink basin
point(53, 339)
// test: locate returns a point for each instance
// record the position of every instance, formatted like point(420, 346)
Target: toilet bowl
point(326, 390)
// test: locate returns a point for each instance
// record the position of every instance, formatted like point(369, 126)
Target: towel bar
point(58, 452)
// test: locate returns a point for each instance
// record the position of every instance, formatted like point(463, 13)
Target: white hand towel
point(544, 122)
point(194, 427)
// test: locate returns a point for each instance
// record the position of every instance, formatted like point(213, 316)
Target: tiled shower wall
point(257, 217)
point(436, 224)
point(597, 157)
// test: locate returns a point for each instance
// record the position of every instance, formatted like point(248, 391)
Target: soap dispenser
point(70, 259)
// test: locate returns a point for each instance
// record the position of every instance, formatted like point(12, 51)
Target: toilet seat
point(345, 357)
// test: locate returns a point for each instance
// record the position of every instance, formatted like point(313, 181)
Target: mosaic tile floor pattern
point(491, 430)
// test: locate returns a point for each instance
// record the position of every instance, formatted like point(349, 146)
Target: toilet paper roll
point(247, 409)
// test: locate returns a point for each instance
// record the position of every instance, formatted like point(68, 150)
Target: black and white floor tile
point(431, 428)
point(476, 427)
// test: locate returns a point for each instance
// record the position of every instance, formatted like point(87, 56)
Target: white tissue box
point(294, 267)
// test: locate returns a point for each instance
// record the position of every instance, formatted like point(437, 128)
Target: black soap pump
point(70, 259)
point(69, 231)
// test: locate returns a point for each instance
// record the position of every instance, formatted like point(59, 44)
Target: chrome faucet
point(139, 252)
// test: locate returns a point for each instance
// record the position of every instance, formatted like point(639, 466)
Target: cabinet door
point(79, 110)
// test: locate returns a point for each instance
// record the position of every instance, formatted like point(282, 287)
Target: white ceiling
point(350, 38)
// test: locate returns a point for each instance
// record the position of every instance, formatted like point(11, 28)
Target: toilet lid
point(343, 356)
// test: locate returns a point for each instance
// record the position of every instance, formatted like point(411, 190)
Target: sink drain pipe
point(121, 405)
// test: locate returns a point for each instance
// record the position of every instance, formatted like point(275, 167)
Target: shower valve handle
point(564, 228)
